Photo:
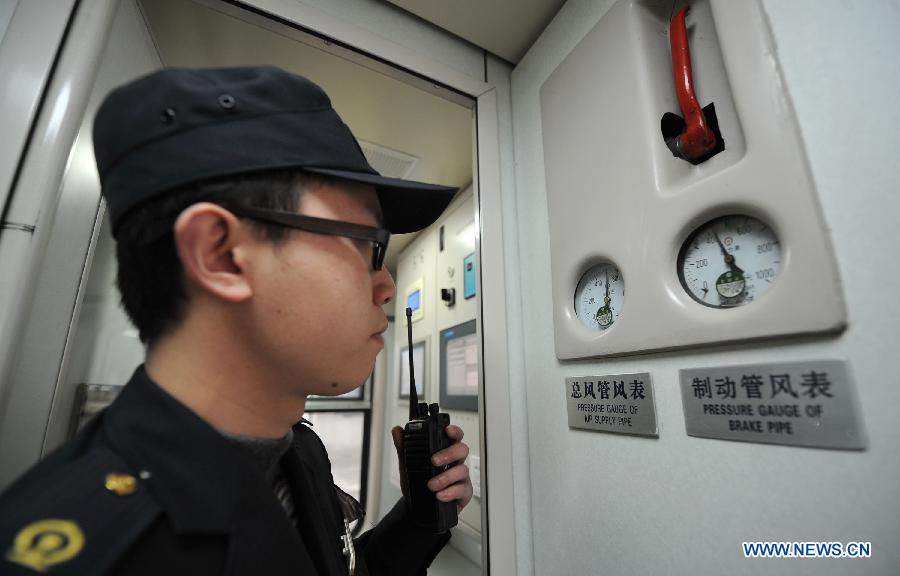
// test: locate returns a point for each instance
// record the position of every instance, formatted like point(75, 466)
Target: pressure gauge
point(599, 297)
point(729, 261)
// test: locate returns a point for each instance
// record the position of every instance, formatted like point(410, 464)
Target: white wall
point(677, 505)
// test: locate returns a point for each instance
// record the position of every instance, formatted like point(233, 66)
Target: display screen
point(469, 276)
point(459, 367)
point(412, 301)
point(462, 366)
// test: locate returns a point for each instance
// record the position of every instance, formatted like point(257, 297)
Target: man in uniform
point(250, 238)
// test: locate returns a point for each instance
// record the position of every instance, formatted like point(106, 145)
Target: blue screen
point(469, 276)
point(412, 301)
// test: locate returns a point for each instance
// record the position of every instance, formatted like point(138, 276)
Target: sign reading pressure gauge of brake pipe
point(729, 261)
point(599, 296)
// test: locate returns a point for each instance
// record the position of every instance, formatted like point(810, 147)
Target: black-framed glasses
point(378, 237)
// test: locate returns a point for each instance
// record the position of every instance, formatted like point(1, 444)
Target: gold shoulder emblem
point(121, 484)
point(45, 543)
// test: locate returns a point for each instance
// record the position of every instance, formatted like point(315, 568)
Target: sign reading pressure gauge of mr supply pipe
point(620, 403)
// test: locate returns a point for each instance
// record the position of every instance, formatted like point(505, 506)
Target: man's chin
point(345, 387)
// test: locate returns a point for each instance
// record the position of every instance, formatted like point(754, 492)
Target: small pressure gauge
point(729, 261)
point(599, 296)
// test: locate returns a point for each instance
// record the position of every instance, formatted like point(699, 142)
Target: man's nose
point(383, 287)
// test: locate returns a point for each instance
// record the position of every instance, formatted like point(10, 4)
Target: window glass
point(343, 434)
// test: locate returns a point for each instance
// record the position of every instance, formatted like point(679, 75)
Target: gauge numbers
point(729, 261)
point(599, 297)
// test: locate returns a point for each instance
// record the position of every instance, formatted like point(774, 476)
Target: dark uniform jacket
point(148, 487)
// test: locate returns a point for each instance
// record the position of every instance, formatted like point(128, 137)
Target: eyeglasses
point(378, 237)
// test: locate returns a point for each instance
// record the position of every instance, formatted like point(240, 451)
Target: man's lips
point(378, 335)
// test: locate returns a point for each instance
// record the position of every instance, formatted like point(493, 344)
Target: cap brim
point(407, 206)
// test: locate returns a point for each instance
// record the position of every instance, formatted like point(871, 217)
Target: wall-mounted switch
point(448, 295)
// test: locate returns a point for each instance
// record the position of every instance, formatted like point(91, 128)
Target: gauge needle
point(607, 299)
point(729, 258)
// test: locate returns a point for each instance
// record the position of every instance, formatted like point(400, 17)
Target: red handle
point(697, 139)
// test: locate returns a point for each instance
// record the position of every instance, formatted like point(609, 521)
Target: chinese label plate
point(799, 403)
point(621, 403)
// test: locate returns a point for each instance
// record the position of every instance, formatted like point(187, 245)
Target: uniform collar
point(189, 467)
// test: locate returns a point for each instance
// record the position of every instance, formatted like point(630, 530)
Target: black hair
point(150, 276)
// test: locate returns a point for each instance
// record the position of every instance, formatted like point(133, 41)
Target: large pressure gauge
point(599, 296)
point(729, 261)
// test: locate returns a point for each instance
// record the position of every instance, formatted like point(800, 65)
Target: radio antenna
point(413, 395)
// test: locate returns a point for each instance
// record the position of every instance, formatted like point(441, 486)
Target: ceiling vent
point(387, 162)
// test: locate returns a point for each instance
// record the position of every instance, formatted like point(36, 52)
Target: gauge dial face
point(729, 261)
point(599, 297)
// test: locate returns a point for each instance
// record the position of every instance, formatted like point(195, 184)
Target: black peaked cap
point(178, 126)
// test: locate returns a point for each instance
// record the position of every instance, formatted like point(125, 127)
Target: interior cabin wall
point(608, 503)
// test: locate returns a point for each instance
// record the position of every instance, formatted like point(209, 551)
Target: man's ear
point(206, 236)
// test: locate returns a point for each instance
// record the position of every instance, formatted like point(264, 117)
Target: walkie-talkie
point(425, 434)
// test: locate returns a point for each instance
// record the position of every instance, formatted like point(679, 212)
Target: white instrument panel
point(617, 195)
